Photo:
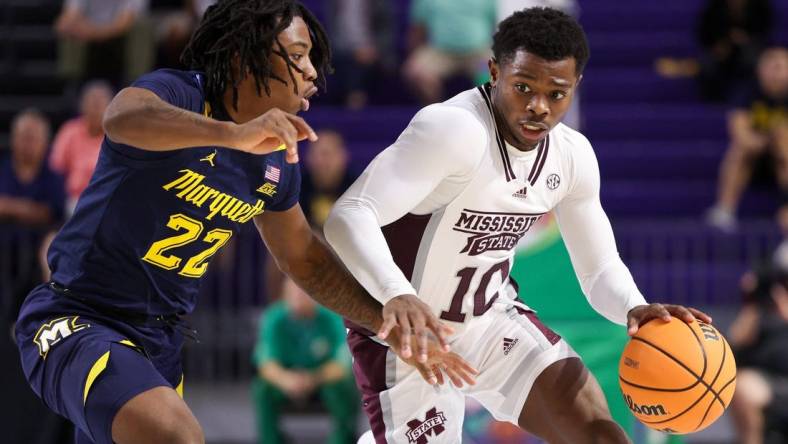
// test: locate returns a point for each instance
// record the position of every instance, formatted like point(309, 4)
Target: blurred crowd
point(103, 45)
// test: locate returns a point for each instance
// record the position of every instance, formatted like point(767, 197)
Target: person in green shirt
point(446, 38)
point(301, 354)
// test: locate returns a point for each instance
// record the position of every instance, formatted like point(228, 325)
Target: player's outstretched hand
point(270, 131)
point(414, 318)
point(438, 364)
point(644, 313)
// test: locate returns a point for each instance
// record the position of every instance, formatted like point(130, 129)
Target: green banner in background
point(548, 284)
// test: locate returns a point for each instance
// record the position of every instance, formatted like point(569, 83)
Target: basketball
point(677, 377)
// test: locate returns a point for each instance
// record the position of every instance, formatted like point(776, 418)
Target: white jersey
point(453, 200)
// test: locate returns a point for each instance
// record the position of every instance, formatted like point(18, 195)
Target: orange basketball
point(677, 377)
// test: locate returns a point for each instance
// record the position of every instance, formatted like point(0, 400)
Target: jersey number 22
point(197, 264)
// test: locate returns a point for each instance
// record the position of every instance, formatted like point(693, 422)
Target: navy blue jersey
point(148, 223)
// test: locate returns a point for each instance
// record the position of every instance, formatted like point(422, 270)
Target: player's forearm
point(320, 274)
point(139, 118)
point(613, 292)
point(606, 281)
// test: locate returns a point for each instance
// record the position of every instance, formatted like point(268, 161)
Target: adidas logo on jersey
point(522, 194)
point(508, 345)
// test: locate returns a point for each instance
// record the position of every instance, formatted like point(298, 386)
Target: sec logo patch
point(553, 181)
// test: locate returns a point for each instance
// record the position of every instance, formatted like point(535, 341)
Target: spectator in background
point(362, 33)
point(324, 177)
point(78, 141)
point(758, 129)
point(732, 34)
point(31, 201)
point(301, 355)
point(759, 338)
point(176, 20)
point(447, 38)
point(108, 39)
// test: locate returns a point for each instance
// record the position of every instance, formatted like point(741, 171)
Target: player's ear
point(492, 64)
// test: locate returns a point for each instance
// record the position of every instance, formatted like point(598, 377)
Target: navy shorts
point(85, 365)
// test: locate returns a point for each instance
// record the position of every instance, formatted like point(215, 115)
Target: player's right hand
point(414, 318)
point(438, 362)
point(268, 132)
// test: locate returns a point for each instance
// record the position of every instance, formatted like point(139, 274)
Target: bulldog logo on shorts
point(431, 426)
point(55, 331)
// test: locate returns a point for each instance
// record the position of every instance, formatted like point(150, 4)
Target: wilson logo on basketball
point(647, 410)
point(629, 362)
point(709, 332)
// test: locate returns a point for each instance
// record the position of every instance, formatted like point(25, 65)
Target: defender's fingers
point(464, 373)
point(427, 374)
point(460, 363)
point(462, 368)
point(700, 315)
point(304, 130)
point(452, 374)
point(440, 330)
point(438, 374)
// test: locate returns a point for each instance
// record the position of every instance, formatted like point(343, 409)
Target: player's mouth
point(533, 130)
point(305, 100)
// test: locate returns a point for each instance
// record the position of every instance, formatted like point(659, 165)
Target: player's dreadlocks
point(545, 32)
point(248, 29)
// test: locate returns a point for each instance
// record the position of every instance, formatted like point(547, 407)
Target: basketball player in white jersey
point(463, 183)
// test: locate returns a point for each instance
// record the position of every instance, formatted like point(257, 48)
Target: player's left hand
point(644, 313)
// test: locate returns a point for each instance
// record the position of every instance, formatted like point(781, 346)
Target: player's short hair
point(545, 32)
point(248, 29)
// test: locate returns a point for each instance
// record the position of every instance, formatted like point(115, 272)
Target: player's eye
point(296, 57)
point(522, 87)
point(558, 95)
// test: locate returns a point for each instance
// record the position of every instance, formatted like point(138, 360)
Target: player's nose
point(310, 73)
point(538, 107)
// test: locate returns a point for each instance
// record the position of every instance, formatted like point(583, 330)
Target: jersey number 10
point(197, 264)
point(480, 303)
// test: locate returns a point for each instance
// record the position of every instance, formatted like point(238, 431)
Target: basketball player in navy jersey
point(188, 158)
